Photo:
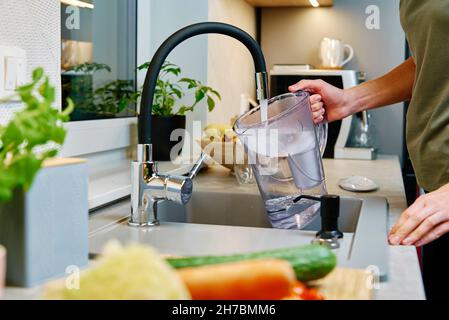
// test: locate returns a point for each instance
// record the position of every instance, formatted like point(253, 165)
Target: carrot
point(246, 280)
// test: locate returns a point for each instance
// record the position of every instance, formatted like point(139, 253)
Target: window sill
point(88, 137)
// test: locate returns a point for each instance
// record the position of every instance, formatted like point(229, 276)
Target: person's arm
point(428, 218)
point(395, 86)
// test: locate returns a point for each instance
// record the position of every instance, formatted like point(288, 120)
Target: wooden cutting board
point(346, 284)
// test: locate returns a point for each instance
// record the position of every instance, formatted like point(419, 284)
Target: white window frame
point(90, 137)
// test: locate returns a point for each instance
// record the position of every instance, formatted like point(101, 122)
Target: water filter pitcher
point(285, 148)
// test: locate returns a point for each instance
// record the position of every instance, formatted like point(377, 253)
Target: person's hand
point(326, 100)
point(425, 221)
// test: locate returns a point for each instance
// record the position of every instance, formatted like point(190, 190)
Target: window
point(98, 58)
point(116, 33)
point(98, 72)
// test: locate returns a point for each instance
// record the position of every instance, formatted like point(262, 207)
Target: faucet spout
point(177, 38)
point(149, 187)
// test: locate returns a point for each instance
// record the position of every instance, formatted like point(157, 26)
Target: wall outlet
point(13, 67)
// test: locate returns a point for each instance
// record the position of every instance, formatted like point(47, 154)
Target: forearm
point(396, 86)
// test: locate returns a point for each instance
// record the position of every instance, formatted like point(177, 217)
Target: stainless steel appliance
point(340, 144)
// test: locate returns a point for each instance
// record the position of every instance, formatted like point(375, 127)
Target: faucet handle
point(178, 189)
point(197, 166)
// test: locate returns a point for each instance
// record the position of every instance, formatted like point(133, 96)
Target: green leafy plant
point(33, 128)
point(201, 92)
point(117, 96)
point(166, 93)
point(109, 99)
point(91, 67)
point(169, 90)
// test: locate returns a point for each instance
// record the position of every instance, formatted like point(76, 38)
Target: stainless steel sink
point(350, 209)
point(226, 209)
point(245, 210)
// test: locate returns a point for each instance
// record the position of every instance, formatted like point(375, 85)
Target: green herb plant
point(91, 67)
point(37, 126)
point(169, 90)
point(114, 97)
point(109, 99)
point(119, 95)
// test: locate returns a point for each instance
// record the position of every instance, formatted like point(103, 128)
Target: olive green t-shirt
point(426, 24)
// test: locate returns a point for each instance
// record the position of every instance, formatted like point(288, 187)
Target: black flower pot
point(161, 131)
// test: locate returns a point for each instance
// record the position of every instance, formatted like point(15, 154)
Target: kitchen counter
point(404, 275)
point(405, 280)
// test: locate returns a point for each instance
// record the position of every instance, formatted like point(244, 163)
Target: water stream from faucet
point(264, 111)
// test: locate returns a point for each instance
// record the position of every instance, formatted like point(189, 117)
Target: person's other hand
point(425, 221)
point(326, 100)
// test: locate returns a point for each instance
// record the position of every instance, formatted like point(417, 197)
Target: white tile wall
point(33, 25)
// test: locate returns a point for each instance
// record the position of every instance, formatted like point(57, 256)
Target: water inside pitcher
point(284, 148)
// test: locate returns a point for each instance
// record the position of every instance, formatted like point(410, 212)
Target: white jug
point(332, 53)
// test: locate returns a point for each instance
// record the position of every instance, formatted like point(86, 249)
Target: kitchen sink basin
point(233, 222)
point(244, 210)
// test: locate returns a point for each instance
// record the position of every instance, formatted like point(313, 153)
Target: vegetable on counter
point(244, 280)
point(134, 272)
point(309, 263)
point(219, 133)
point(302, 292)
point(138, 272)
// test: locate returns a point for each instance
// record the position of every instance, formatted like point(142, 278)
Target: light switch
point(13, 70)
point(21, 72)
point(12, 65)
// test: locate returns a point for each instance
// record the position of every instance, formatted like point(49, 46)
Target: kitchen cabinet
point(288, 3)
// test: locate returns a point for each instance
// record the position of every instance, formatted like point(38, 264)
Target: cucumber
point(309, 262)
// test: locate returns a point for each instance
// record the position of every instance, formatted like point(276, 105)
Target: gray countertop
point(404, 276)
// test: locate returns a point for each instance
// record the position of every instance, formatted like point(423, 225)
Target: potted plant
point(43, 205)
point(168, 114)
point(104, 102)
point(35, 126)
point(117, 96)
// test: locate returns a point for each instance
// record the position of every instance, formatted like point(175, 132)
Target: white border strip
point(78, 3)
point(87, 137)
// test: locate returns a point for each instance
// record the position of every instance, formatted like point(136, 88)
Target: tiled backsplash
point(33, 25)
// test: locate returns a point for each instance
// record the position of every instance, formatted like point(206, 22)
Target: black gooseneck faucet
point(148, 185)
